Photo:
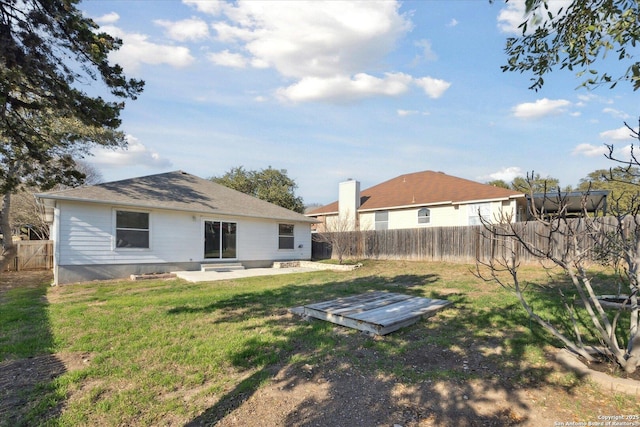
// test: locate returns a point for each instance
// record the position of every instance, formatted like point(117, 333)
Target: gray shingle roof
point(177, 191)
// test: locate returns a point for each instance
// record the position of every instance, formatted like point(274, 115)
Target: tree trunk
point(8, 252)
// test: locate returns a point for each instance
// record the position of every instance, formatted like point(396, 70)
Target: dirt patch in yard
point(349, 390)
point(18, 379)
point(12, 279)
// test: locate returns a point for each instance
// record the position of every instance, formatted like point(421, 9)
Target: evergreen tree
point(50, 52)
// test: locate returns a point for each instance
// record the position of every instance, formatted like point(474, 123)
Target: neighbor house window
point(479, 213)
point(382, 220)
point(285, 236)
point(132, 229)
point(424, 216)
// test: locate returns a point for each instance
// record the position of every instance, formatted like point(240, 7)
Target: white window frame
point(116, 228)
point(287, 236)
point(382, 223)
point(426, 218)
point(479, 212)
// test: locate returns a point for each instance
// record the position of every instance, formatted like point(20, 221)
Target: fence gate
point(33, 255)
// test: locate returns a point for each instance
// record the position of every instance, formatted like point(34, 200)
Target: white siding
point(258, 240)
point(85, 236)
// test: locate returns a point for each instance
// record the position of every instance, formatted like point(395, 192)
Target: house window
point(132, 229)
point(285, 236)
point(479, 213)
point(382, 220)
point(424, 216)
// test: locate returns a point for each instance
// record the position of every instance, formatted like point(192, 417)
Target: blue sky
point(337, 90)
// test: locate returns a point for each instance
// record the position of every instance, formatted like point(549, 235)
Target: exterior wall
point(332, 223)
point(440, 216)
point(85, 247)
point(348, 204)
point(258, 241)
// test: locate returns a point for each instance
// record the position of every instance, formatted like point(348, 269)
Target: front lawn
point(168, 352)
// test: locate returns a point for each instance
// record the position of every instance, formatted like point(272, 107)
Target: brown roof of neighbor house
point(177, 191)
point(423, 189)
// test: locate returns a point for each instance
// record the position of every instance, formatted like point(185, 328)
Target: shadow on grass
point(27, 367)
point(462, 367)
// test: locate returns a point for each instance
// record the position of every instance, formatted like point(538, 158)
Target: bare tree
point(339, 233)
point(573, 243)
point(26, 215)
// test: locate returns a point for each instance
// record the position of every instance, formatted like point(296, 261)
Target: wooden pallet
point(377, 312)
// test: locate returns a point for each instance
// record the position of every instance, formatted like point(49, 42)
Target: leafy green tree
point(49, 54)
point(623, 182)
point(269, 184)
point(535, 183)
point(576, 37)
point(499, 183)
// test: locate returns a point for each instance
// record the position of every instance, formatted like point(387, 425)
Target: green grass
point(24, 323)
point(159, 349)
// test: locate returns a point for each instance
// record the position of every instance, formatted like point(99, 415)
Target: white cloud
point(589, 150)
point(228, 59)
point(540, 108)
point(317, 39)
point(329, 51)
point(211, 7)
point(616, 113)
point(434, 88)
point(511, 16)
point(506, 174)
point(453, 23)
point(514, 13)
point(109, 18)
point(427, 50)
point(186, 29)
point(620, 134)
point(136, 154)
point(586, 98)
point(404, 113)
point(137, 50)
point(345, 89)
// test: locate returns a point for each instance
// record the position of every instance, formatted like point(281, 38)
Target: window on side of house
point(424, 216)
point(382, 220)
point(479, 213)
point(132, 229)
point(285, 236)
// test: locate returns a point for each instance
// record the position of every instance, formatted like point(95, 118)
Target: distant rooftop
point(423, 189)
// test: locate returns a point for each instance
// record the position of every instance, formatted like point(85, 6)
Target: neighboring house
point(167, 222)
point(421, 199)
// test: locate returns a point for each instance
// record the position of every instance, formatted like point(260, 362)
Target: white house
point(421, 199)
point(167, 222)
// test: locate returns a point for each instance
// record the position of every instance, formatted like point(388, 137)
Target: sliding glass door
point(219, 239)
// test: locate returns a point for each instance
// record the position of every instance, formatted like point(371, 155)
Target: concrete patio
point(210, 276)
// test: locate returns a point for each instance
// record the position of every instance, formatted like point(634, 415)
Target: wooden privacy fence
point(464, 244)
point(33, 255)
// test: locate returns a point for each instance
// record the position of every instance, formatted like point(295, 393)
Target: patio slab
point(210, 276)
